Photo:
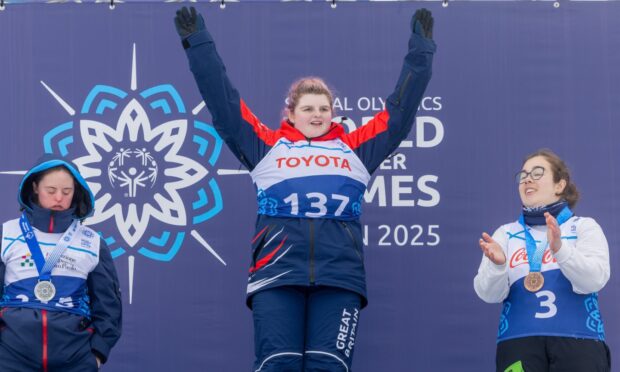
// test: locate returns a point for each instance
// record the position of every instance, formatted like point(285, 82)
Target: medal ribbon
point(534, 252)
point(44, 267)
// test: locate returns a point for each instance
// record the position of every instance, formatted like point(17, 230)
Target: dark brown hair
point(37, 177)
point(79, 194)
point(560, 172)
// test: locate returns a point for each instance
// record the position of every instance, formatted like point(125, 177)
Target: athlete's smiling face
point(312, 116)
point(542, 191)
point(55, 190)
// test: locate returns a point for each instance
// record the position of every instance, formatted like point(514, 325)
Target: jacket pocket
point(356, 248)
point(2, 325)
point(84, 325)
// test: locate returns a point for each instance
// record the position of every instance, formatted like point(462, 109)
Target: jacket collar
point(291, 133)
point(43, 219)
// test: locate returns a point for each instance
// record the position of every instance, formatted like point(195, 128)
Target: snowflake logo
point(148, 162)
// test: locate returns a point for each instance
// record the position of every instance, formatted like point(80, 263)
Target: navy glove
point(188, 21)
point(422, 23)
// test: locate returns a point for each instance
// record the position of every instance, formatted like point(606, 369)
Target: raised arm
point(376, 140)
point(244, 134)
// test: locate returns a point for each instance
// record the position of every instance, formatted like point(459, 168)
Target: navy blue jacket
point(309, 191)
point(54, 334)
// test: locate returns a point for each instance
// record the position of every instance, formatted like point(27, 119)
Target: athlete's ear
point(291, 117)
point(559, 187)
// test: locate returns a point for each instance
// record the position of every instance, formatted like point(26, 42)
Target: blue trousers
point(307, 329)
point(13, 362)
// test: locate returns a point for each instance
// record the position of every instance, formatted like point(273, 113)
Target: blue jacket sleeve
point(376, 140)
point(106, 305)
point(238, 127)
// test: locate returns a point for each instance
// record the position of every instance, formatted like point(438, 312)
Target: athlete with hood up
point(60, 306)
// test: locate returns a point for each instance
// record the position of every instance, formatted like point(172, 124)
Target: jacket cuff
point(498, 269)
point(197, 38)
point(565, 252)
point(99, 347)
point(421, 44)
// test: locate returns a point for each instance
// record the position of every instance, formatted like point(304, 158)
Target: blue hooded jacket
point(84, 317)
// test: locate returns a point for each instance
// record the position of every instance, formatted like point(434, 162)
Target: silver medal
point(44, 290)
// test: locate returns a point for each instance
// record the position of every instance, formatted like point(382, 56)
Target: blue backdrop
point(509, 78)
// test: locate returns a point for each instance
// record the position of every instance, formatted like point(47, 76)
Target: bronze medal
point(534, 281)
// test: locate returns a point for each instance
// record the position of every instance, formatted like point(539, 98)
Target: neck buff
point(536, 215)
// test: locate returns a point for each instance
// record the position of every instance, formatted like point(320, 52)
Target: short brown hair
point(560, 172)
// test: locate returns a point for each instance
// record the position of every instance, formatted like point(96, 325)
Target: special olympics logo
point(132, 169)
point(140, 151)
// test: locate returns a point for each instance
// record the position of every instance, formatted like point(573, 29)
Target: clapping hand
point(554, 235)
point(492, 249)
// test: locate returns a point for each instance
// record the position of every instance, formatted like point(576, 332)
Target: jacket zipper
point(402, 88)
point(346, 227)
point(51, 226)
point(44, 322)
point(44, 312)
point(311, 251)
point(309, 139)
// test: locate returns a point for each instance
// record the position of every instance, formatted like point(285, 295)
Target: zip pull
point(51, 226)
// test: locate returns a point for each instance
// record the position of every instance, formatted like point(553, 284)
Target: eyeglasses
point(536, 173)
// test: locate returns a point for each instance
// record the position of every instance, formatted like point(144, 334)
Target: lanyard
point(44, 267)
point(535, 252)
